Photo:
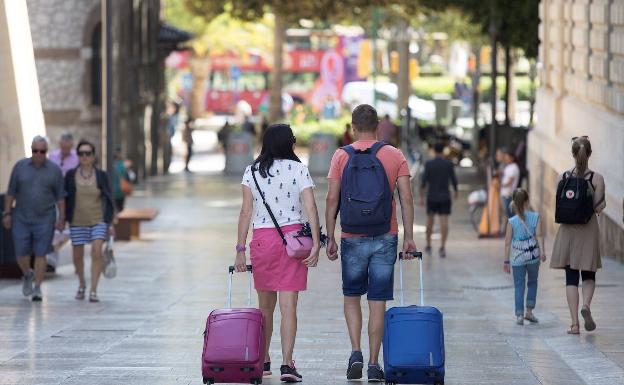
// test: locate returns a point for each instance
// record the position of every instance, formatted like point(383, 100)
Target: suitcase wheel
point(208, 380)
point(439, 382)
point(256, 381)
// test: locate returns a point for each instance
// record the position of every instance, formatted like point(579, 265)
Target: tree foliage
point(516, 21)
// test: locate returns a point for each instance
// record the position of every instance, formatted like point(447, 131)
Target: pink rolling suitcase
point(234, 342)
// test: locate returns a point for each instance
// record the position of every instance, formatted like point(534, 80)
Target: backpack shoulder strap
point(349, 150)
point(377, 146)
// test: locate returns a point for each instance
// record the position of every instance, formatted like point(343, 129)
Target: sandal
point(572, 329)
point(531, 318)
point(93, 297)
point(80, 294)
point(587, 317)
point(266, 370)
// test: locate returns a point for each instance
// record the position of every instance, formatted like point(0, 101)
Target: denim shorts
point(32, 238)
point(368, 266)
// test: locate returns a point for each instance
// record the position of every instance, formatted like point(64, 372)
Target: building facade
point(581, 93)
point(66, 36)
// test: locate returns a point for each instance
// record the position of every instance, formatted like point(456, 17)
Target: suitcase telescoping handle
point(231, 270)
point(417, 255)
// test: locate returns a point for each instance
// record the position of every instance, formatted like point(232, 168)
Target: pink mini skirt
point(273, 269)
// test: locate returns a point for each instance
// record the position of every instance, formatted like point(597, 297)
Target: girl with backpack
point(277, 191)
point(580, 198)
point(524, 245)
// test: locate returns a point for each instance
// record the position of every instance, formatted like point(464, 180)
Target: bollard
point(456, 108)
point(239, 152)
point(442, 105)
point(322, 148)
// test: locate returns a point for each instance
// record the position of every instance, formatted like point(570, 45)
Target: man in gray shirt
point(36, 188)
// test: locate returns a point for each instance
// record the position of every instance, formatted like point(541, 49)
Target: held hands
point(60, 224)
point(332, 249)
point(543, 257)
point(240, 262)
point(506, 268)
point(312, 260)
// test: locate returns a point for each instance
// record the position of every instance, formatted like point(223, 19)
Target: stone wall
point(582, 93)
point(61, 33)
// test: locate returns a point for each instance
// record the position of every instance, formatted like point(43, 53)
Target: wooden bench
point(129, 222)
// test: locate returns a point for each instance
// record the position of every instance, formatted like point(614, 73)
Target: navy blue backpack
point(365, 196)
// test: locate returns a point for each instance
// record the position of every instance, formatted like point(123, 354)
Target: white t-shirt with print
point(282, 191)
point(510, 173)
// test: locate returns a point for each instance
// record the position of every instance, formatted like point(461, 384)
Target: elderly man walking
point(36, 188)
point(67, 159)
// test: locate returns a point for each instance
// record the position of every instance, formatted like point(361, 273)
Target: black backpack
point(575, 199)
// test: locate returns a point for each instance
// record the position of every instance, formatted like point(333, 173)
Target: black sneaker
point(375, 373)
point(356, 364)
point(289, 373)
point(266, 370)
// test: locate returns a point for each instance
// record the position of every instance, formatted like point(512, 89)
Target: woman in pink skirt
point(285, 182)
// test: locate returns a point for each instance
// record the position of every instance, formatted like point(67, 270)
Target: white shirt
point(510, 173)
point(282, 191)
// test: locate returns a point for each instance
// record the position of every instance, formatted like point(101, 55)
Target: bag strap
point(377, 146)
point(349, 149)
point(528, 230)
point(279, 229)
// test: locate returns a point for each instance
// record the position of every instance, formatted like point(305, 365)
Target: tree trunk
point(507, 84)
point(476, 78)
point(275, 91)
point(200, 70)
point(403, 80)
point(493, 97)
point(532, 75)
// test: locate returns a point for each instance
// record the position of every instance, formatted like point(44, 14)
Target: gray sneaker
point(36, 295)
point(375, 373)
point(27, 284)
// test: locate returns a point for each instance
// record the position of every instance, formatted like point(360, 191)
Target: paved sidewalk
point(148, 327)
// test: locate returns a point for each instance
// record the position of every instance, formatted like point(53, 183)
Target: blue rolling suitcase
point(413, 343)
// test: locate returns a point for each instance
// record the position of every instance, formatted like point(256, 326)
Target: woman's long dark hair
point(277, 143)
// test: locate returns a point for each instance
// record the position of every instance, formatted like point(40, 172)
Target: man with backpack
point(362, 181)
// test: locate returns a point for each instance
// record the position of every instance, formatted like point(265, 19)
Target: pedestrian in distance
point(347, 137)
point(122, 185)
point(387, 131)
point(89, 211)
point(187, 136)
point(278, 178)
point(36, 188)
point(577, 243)
point(362, 180)
point(524, 250)
point(66, 158)
point(438, 174)
point(509, 179)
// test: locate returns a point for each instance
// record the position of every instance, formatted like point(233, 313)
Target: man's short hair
point(40, 139)
point(438, 147)
point(67, 136)
point(364, 118)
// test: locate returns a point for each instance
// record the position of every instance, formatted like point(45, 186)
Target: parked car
point(386, 95)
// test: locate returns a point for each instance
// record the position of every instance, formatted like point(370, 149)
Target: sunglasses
point(579, 137)
point(85, 153)
point(38, 151)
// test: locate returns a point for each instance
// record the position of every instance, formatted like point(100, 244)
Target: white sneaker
point(37, 296)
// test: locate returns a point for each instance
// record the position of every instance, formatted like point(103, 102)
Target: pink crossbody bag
point(298, 243)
